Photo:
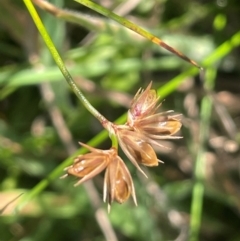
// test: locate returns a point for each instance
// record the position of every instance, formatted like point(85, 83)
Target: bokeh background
point(41, 121)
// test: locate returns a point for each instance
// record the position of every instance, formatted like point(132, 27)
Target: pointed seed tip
point(65, 175)
point(144, 174)
point(77, 184)
point(109, 208)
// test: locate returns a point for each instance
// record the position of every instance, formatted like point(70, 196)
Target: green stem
point(199, 172)
point(135, 28)
point(60, 63)
point(114, 140)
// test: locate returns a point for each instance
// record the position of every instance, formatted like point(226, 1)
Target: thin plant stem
point(60, 63)
point(126, 23)
point(199, 171)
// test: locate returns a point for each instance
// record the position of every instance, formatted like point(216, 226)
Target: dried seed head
point(143, 104)
point(143, 116)
point(137, 148)
point(159, 126)
point(118, 184)
point(145, 128)
point(89, 165)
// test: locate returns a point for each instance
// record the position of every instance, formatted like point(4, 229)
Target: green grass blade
point(91, 23)
point(199, 171)
point(126, 23)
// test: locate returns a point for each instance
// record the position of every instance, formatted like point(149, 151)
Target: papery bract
point(137, 148)
point(143, 104)
point(143, 116)
point(118, 184)
point(145, 127)
point(159, 126)
point(89, 165)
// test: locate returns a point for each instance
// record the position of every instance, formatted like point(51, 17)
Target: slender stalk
point(199, 172)
point(135, 28)
point(114, 139)
point(60, 63)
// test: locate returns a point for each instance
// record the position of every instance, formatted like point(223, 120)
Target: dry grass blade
point(10, 202)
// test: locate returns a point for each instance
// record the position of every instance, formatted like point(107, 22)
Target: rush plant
point(145, 127)
point(138, 131)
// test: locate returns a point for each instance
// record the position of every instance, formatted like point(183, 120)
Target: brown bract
point(89, 165)
point(137, 148)
point(118, 184)
point(159, 126)
point(145, 128)
point(143, 104)
point(143, 116)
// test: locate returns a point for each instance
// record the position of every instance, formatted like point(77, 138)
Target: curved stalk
point(60, 63)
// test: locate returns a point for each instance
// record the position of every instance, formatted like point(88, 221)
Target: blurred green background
point(41, 121)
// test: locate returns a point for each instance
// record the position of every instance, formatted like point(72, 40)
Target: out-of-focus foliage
point(41, 121)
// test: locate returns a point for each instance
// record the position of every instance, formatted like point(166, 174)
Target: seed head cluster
point(145, 128)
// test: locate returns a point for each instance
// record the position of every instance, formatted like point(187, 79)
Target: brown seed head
point(143, 104)
point(159, 126)
point(137, 148)
point(89, 165)
point(118, 184)
point(143, 116)
point(145, 128)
